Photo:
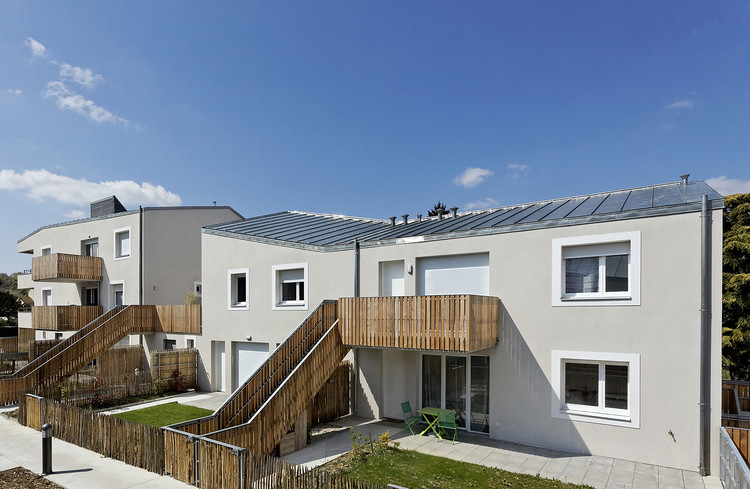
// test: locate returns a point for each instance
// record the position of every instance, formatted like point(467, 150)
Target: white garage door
point(454, 274)
point(247, 358)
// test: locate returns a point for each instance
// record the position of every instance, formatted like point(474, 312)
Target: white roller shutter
point(247, 358)
point(454, 274)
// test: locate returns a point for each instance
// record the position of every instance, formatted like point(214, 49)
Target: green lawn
point(419, 471)
point(164, 414)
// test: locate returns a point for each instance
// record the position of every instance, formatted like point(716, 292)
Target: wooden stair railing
point(255, 391)
point(72, 354)
point(273, 418)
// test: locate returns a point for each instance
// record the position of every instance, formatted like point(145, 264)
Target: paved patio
point(599, 472)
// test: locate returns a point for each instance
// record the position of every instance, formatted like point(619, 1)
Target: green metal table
point(430, 414)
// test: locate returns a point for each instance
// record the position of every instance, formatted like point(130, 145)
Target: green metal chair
point(447, 421)
point(409, 418)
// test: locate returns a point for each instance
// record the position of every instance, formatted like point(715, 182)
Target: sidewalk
point(73, 467)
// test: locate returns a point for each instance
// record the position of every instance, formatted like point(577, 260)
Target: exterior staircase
point(80, 349)
point(259, 412)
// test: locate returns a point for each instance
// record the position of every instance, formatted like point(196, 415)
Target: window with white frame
point(596, 387)
point(290, 286)
point(122, 243)
point(597, 270)
point(238, 288)
point(46, 250)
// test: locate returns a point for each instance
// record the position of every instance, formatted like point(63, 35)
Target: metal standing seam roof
point(327, 232)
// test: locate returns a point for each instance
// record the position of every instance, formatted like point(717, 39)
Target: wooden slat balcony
point(62, 267)
point(63, 318)
point(450, 323)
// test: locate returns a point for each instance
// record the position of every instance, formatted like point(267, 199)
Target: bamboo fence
point(133, 443)
point(457, 323)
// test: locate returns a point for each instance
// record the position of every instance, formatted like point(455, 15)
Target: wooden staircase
point(77, 351)
point(259, 412)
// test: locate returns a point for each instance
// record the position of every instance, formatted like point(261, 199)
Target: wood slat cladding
point(63, 318)
point(454, 323)
point(70, 355)
point(64, 267)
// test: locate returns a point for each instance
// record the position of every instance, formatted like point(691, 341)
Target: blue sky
point(362, 108)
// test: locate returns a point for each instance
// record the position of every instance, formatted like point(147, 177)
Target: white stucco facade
point(656, 335)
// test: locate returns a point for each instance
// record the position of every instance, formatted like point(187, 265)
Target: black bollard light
point(46, 449)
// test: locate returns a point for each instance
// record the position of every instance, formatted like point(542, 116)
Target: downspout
point(356, 350)
point(705, 384)
point(140, 262)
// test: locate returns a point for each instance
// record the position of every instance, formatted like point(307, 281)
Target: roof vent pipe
point(393, 220)
point(440, 214)
point(454, 211)
point(685, 178)
point(406, 218)
point(419, 217)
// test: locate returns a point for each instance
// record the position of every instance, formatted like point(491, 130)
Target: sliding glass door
point(461, 384)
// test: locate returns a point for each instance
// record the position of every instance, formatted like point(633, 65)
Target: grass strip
point(164, 414)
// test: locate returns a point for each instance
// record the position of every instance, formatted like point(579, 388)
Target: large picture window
point(596, 270)
point(599, 387)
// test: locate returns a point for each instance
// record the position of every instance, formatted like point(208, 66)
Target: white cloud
point(67, 99)
point(471, 177)
point(37, 48)
point(681, 104)
point(482, 204)
point(516, 171)
point(729, 186)
point(14, 92)
point(43, 186)
point(84, 76)
point(76, 214)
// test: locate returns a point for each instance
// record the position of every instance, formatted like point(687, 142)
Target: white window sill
point(596, 417)
point(290, 306)
point(607, 300)
point(125, 257)
point(239, 307)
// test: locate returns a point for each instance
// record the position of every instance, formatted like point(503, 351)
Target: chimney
point(685, 178)
point(454, 211)
point(440, 214)
point(393, 220)
point(419, 217)
point(406, 218)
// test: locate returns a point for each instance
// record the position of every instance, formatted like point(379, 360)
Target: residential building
point(83, 268)
point(600, 309)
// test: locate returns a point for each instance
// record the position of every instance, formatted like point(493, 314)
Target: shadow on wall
point(522, 395)
point(202, 379)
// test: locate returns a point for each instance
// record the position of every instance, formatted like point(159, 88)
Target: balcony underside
point(451, 323)
point(61, 267)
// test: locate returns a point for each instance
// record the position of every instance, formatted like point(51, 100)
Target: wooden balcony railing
point(63, 267)
point(454, 323)
point(63, 318)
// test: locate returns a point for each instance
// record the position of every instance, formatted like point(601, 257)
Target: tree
point(8, 305)
point(436, 208)
point(736, 281)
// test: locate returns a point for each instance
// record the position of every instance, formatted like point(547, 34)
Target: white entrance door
point(219, 366)
point(392, 278)
point(454, 274)
point(247, 357)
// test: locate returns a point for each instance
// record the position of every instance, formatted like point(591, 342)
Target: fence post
point(240, 452)
point(196, 459)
